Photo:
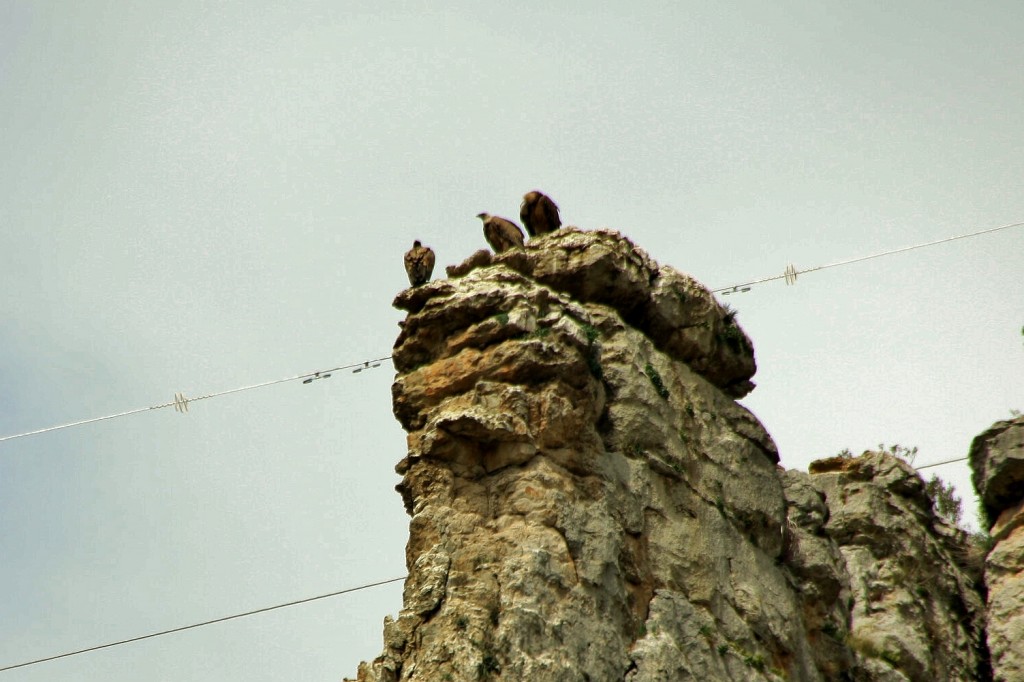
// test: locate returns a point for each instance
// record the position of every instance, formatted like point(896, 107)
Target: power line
point(935, 464)
point(265, 609)
point(791, 273)
point(204, 623)
point(181, 403)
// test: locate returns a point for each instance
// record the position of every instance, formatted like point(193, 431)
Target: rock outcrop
point(997, 462)
point(589, 502)
point(917, 608)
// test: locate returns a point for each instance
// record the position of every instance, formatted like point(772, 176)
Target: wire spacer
point(180, 403)
point(366, 365)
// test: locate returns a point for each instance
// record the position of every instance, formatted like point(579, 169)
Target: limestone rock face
point(589, 502)
point(917, 611)
point(997, 466)
point(997, 461)
point(819, 575)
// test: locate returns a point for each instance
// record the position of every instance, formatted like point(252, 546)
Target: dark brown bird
point(539, 214)
point(419, 263)
point(500, 233)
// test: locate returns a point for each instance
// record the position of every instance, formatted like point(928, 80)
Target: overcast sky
point(198, 196)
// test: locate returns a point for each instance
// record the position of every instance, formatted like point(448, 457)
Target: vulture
point(501, 234)
point(539, 214)
point(419, 263)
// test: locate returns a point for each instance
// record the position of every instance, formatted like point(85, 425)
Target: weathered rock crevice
point(588, 501)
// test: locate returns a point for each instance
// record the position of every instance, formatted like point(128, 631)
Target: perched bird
point(419, 263)
point(501, 234)
point(539, 214)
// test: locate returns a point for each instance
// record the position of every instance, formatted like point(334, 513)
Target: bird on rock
point(500, 233)
point(419, 263)
point(539, 214)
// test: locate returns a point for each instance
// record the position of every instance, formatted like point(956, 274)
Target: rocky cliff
point(588, 501)
point(997, 462)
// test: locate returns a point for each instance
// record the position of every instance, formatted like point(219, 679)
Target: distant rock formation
point(588, 501)
point(997, 462)
point(914, 579)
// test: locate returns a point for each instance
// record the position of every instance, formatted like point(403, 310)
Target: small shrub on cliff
point(591, 332)
point(944, 497)
point(730, 334)
point(908, 455)
point(656, 381)
point(732, 337)
point(755, 661)
point(487, 667)
point(593, 350)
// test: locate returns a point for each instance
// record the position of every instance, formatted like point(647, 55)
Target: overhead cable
point(790, 273)
point(181, 403)
point(199, 625)
point(935, 464)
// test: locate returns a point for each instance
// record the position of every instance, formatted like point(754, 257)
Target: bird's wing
point(551, 213)
point(511, 232)
point(492, 235)
point(524, 214)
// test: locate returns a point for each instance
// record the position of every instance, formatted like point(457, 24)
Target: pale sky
point(199, 196)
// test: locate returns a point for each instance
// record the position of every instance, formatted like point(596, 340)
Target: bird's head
point(416, 244)
point(483, 216)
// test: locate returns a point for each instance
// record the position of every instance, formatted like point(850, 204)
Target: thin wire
point(735, 287)
point(313, 375)
point(935, 464)
point(864, 258)
point(199, 625)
